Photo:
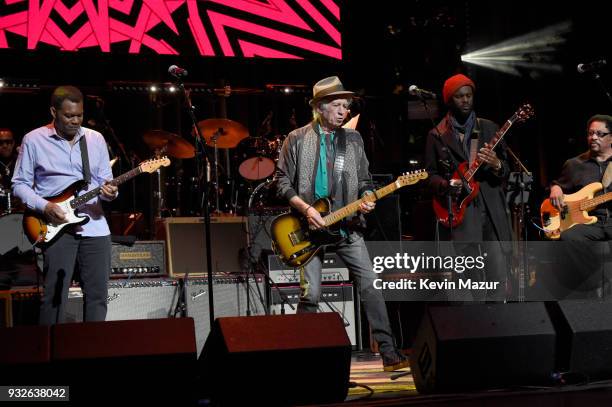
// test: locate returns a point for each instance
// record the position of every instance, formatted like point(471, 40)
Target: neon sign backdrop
point(295, 29)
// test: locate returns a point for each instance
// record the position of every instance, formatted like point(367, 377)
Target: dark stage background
point(387, 46)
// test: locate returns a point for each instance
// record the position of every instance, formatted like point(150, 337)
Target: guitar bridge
point(296, 237)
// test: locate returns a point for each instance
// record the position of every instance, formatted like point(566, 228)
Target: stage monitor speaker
point(483, 346)
point(24, 355)
point(281, 359)
point(130, 299)
point(334, 298)
point(230, 293)
point(126, 360)
point(187, 249)
point(584, 337)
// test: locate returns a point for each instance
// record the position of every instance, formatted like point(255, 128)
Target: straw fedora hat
point(328, 87)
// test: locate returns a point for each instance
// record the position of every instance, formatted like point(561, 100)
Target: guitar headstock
point(524, 112)
point(154, 164)
point(412, 177)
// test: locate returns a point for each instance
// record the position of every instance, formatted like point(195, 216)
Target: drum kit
point(253, 159)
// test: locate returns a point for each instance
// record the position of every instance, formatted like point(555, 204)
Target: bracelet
point(306, 211)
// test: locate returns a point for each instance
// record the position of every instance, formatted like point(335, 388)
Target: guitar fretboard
point(353, 207)
point(469, 174)
point(590, 204)
point(82, 199)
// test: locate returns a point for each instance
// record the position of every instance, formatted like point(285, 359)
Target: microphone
point(591, 66)
point(177, 72)
point(422, 93)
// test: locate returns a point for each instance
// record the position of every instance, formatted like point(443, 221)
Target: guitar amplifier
point(130, 299)
point(334, 298)
point(230, 294)
point(187, 246)
point(146, 258)
point(333, 270)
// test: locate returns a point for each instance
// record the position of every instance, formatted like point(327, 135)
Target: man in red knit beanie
point(462, 137)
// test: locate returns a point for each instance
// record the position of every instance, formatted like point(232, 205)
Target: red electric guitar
point(470, 191)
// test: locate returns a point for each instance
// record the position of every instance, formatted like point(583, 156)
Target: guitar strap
point(339, 162)
point(85, 159)
point(607, 177)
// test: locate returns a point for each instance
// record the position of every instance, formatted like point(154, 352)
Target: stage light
point(153, 88)
point(288, 90)
point(534, 51)
point(1, 83)
point(172, 89)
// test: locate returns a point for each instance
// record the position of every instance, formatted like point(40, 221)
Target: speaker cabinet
point(130, 299)
point(24, 355)
point(186, 244)
point(334, 298)
point(281, 359)
point(471, 347)
point(584, 333)
point(230, 294)
point(125, 360)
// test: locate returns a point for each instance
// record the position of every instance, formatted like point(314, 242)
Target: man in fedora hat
point(322, 159)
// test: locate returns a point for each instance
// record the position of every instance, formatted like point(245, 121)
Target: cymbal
point(169, 143)
point(229, 132)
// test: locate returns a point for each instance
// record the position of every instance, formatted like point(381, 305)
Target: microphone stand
point(203, 178)
point(597, 78)
point(523, 183)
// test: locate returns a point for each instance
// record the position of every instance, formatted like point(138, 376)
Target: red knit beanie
point(453, 84)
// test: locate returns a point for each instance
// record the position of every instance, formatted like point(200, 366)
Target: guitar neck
point(353, 207)
point(469, 174)
point(82, 199)
point(591, 204)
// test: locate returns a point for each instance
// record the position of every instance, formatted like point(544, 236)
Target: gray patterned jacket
point(299, 158)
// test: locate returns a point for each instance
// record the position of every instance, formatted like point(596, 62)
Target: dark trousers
point(583, 260)
point(355, 256)
point(93, 255)
point(478, 227)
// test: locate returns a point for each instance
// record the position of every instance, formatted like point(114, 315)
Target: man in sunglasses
point(580, 260)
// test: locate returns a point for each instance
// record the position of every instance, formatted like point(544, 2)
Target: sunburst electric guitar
point(296, 244)
point(42, 232)
point(575, 210)
point(470, 191)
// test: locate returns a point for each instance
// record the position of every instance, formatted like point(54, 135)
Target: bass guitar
point(296, 244)
point(574, 212)
point(42, 232)
point(470, 186)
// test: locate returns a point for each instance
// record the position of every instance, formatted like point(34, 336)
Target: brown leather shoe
point(394, 360)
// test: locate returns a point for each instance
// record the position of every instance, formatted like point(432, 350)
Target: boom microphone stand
point(203, 177)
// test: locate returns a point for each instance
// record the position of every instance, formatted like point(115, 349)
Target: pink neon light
point(219, 21)
point(69, 14)
point(251, 50)
point(197, 29)
point(332, 7)
point(277, 10)
point(322, 21)
point(36, 25)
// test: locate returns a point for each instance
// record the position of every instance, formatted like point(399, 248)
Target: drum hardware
point(226, 134)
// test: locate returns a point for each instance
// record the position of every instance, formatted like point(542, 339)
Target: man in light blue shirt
point(50, 161)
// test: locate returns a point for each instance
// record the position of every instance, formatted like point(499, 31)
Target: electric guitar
point(42, 232)
point(470, 186)
point(296, 244)
point(574, 212)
